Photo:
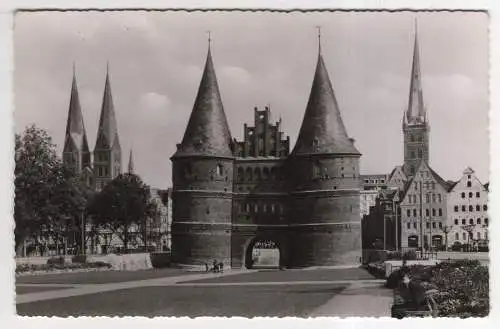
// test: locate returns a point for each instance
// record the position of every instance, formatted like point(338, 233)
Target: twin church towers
point(107, 155)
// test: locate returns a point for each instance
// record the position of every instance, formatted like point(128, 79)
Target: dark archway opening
point(413, 241)
point(263, 254)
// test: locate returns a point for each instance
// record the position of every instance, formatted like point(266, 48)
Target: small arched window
point(265, 173)
point(257, 174)
point(440, 212)
point(241, 175)
point(219, 170)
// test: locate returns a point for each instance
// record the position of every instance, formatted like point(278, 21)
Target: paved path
point(370, 299)
point(361, 297)
point(85, 289)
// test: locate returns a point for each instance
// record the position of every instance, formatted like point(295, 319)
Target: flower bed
point(458, 289)
point(57, 267)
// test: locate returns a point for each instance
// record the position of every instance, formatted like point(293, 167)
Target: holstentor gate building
point(229, 194)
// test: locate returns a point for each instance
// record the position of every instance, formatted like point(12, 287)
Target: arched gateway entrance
point(263, 253)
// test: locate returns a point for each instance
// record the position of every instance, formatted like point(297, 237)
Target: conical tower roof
point(322, 130)
point(75, 128)
point(107, 133)
point(416, 108)
point(207, 132)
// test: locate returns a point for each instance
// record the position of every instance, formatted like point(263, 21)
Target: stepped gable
point(107, 133)
point(75, 128)
point(207, 132)
point(322, 130)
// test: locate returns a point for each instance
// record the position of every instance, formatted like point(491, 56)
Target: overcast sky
point(156, 60)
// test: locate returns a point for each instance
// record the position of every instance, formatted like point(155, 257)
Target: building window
point(479, 235)
point(433, 212)
point(427, 225)
point(433, 185)
point(249, 175)
point(440, 212)
point(414, 225)
point(486, 221)
point(463, 221)
point(478, 194)
point(485, 207)
point(434, 225)
point(469, 184)
point(463, 208)
point(471, 208)
point(464, 236)
point(427, 212)
point(408, 213)
point(264, 207)
point(471, 221)
point(414, 212)
point(256, 207)
point(463, 195)
point(486, 235)
point(439, 198)
point(470, 194)
point(247, 207)
point(241, 175)
point(456, 236)
point(433, 198)
point(479, 221)
point(456, 208)
point(456, 221)
point(272, 208)
point(440, 225)
point(427, 198)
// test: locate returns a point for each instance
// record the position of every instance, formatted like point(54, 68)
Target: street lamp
point(395, 201)
point(469, 229)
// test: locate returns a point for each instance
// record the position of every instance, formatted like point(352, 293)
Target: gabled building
point(424, 209)
point(468, 211)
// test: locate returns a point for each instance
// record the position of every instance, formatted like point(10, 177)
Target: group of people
point(217, 267)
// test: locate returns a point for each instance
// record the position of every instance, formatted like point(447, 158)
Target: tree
point(123, 203)
point(47, 197)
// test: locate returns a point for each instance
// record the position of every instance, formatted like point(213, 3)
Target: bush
point(79, 259)
point(56, 261)
point(410, 255)
point(457, 246)
point(462, 286)
point(160, 259)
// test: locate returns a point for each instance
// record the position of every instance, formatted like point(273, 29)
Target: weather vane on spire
point(209, 37)
point(319, 36)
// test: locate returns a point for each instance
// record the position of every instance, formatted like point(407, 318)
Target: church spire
point(130, 163)
point(75, 128)
point(207, 132)
point(416, 110)
point(322, 129)
point(76, 152)
point(107, 134)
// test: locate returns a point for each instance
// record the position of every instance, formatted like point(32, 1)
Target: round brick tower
point(325, 225)
point(202, 175)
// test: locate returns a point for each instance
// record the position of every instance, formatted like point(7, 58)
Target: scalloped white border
point(7, 304)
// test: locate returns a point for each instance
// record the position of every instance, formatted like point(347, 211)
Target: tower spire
point(416, 109)
point(75, 141)
point(107, 133)
point(322, 129)
point(207, 132)
point(319, 38)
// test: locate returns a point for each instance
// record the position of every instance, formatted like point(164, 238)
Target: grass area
point(101, 277)
point(247, 301)
point(20, 290)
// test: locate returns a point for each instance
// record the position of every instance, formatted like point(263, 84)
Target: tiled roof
point(207, 132)
point(322, 129)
